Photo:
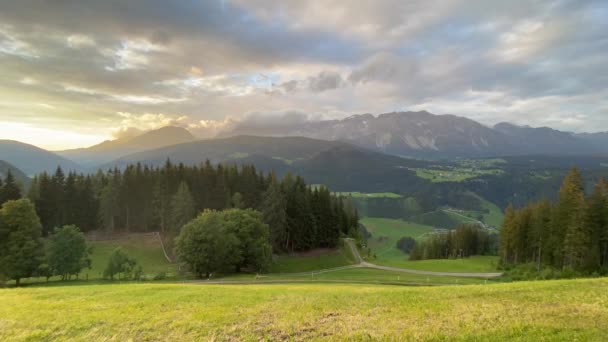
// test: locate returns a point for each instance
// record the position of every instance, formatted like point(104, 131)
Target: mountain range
point(20, 177)
point(110, 150)
point(419, 135)
point(425, 135)
point(32, 160)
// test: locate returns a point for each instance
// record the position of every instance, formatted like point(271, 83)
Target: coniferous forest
point(570, 234)
point(141, 198)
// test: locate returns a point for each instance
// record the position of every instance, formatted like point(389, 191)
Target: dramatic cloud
point(65, 65)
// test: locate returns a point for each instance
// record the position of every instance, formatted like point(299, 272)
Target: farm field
point(316, 260)
point(477, 263)
point(146, 250)
point(386, 233)
point(526, 311)
point(352, 274)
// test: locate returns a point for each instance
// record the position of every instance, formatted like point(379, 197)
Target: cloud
point(325, 81)
point(132, 125)
point(220, 61)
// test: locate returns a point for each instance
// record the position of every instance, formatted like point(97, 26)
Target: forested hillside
point(141, 198)
point(570, 234)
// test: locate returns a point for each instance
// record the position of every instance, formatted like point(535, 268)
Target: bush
point(224, 241)
point(160, 276)
point(406, 244)
point(120, 263)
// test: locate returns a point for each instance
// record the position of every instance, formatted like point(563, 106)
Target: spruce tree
point(182, 207)
point(567, 211)
point(597, 223)
point(274, 213)
point(10, 190)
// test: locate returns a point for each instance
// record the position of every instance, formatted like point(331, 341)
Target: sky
point(76, 72)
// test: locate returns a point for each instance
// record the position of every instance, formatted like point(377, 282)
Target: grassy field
point(359, 275)
point(455, 174)
point(386, 233)
point(463, 170)
point(147, 251)
point(495, 215)
point(305, 263)
point(478, 263)
point(569, 310)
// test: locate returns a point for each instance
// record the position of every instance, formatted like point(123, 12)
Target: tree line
point(464, 241)
point(23, 253)
point(569, 234)
point(9, 189)
point(141, 198)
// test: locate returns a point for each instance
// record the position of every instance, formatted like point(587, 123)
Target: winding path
point(365, 264)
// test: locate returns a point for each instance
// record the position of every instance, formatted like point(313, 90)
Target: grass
point(359, 275)
point(454, 174)
point(369, 195)
point(463, 170)
point(565, 310)
point(327, 259)
point(147, 251)
point(478, 263)
point(385, 234)
point(495, 216)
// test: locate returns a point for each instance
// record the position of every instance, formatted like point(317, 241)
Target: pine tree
point(10, 190)
point(597, 222)
point(109, 206)
point(182, 208)
point(564, 214)
point(274, 213)
point(577, 242)
point(161, 204)
point(507, 235)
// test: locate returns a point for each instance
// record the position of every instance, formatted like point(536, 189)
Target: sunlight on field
point(522, 311)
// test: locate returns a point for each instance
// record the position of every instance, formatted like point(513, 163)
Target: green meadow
point(383, 243)
point(564, 310)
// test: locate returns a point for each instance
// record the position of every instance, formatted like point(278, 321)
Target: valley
point(263, 170)
point(381, 228)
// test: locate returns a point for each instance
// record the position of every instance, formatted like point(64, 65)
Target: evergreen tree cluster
point(141, 198)
point(464, 241)
point(9, 189)
point(569, 234)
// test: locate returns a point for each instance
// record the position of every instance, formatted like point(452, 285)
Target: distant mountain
point(19, 175)
point(598, 141)
point(425, 135)
point(113, 149)
point(239, 148)
point(341, 166)
point(543, 140)
point(32, 160)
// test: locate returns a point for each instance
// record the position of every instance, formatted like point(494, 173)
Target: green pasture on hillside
point(563, 310)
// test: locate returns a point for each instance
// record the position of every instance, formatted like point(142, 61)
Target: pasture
point(564, 310)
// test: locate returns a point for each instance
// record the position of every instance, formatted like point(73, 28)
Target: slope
point(31, 159)
point(565, 310)
point(113, 149)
